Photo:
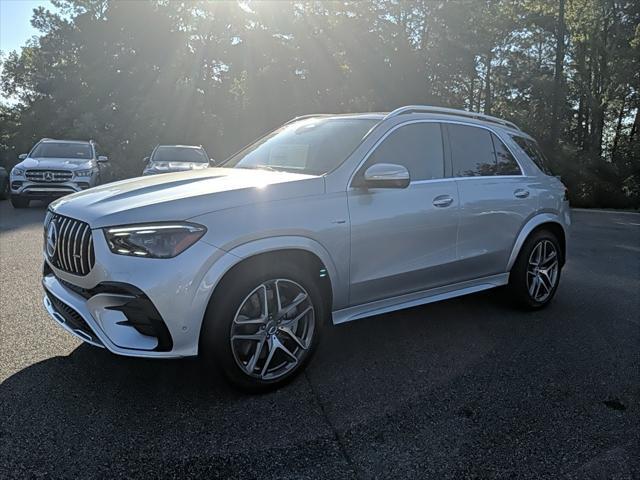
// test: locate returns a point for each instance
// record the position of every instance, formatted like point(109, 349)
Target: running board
point(418, 298)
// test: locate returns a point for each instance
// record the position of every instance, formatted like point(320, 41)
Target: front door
point(404, 239)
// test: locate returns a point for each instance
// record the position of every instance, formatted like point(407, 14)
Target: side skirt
point(418, 298)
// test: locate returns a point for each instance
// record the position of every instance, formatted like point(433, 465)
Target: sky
point(15, 22)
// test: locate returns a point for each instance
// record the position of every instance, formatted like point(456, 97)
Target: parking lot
point(467, 388)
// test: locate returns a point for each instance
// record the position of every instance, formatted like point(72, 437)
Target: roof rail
point(450, 111)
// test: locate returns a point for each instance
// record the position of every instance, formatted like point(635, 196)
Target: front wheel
point(263, 325)
point(5, 190)
point(535, 276)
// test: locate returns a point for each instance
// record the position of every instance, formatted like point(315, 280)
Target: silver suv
point(175, 158)
point(330, 218)
point(54, 168)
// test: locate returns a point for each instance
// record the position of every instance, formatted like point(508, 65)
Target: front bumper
point(26, 188)
point(139, 307)
point(121, 319)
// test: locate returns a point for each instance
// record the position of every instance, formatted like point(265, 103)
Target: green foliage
point(136, 73)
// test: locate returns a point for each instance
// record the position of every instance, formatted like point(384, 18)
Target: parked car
point(54, 168)
point(4, 183)
point(329, 218)
point(176, 158)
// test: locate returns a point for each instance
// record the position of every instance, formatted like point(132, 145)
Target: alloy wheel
point(272, 329)
point(542, 270)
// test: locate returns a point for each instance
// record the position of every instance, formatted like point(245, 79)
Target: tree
point(134, 74)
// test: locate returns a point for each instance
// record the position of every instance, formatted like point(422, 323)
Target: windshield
point(62, 150)
point(179, 154)
point(313, 146)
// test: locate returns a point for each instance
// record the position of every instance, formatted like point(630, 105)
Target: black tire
point(5, 190)
point(518, 284)
point(215, 343)
point(19, 202)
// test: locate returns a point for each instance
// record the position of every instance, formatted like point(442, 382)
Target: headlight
point(158, 240)
point(17, 172)
point(83, 173)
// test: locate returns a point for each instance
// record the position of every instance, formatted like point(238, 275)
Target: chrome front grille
point(68, 244)
point(49, 175)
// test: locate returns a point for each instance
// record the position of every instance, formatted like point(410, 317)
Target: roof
point(53, 140)
point(181, 146)
point(437, 112)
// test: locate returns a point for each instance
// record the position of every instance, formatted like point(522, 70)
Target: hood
point(183, 195)
point(56, 163)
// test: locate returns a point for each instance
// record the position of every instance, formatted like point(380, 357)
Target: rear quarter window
point(477, 152)
point(534, 152)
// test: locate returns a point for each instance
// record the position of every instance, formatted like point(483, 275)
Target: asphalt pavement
point(467, 388)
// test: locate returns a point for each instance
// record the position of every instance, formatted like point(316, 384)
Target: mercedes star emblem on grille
point(48, 176)
point(52, 239)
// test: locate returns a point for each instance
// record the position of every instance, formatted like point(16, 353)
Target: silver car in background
point(54, 168)
point(328, 219)
point(176, 158)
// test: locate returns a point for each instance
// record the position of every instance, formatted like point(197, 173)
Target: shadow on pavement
point(92, 412)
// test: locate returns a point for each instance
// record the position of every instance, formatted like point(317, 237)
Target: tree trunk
point(601, 86)
point(557, 78)
point(636, 124)
point(472, 86)
point(616, 137)
point(487, 84)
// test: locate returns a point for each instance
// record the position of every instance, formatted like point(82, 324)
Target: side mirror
point(102, 158)
point(212, 162)
point(22, 156)
point(145, 160)
point(386, 175)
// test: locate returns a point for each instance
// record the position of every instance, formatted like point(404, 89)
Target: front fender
point(294, 242)
point(241, 252)
point(531, 225)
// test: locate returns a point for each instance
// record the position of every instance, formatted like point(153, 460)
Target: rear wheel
point(535, 276)
point(19, 202)
point(263, 325)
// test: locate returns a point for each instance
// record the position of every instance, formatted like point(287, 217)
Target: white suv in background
point(330, 218)
point(54, 168)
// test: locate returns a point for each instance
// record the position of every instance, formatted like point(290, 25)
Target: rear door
point(496, 199)
point(404, 239)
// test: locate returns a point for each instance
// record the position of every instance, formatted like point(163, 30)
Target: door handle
point(521, 193)
point(442, 201)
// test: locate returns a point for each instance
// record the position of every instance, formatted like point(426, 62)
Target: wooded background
point(131, 74)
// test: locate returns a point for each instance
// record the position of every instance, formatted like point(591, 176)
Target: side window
point(417, 146)
point(533, 152)
point(472, 152)
point(506, 164)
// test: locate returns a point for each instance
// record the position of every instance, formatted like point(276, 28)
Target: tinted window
point(478, 152)
point(471, 151)
point(179, 154)
point(62, 150)
point(506, 164)
point(533, 152)
point(314, 146)
point(418, 147)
